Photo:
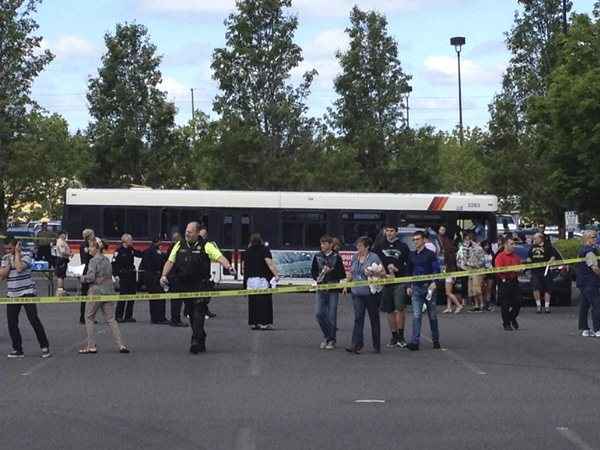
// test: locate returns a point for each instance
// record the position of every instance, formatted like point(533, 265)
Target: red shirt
point(504, 260)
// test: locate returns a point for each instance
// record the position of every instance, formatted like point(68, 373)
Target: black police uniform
point(124, 268)
point(151, 267)
point(192, 273)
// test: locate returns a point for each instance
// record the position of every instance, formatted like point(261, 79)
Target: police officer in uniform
point(124, 268)
point(190, 259)
point(151, 267)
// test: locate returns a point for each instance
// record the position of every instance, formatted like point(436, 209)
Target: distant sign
point(571, 220)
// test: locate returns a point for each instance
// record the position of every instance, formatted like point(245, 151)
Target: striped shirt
point(19, 284)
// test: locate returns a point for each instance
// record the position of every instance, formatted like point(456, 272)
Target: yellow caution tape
point(284, 289)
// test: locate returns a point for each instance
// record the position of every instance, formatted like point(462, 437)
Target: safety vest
point(192, 264)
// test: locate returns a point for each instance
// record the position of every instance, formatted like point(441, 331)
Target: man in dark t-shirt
point(394, 255)
point(541, 251)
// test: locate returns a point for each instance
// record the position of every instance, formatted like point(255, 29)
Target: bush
point(568, 248)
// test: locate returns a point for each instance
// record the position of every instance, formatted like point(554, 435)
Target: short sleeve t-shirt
point(254, 262)
point(19, 284)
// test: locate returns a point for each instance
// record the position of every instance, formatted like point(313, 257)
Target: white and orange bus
point(291, 222)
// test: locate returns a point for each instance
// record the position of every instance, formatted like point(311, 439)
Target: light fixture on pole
point(458, 42)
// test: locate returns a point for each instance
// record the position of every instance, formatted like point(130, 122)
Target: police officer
point(124, 268)
point(190, 260)
point(151, 267)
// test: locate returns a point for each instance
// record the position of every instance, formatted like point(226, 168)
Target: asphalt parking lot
point(529, 389)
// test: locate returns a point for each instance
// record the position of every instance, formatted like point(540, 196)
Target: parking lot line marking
point(574, 438)
point(456, 357)
point(47, 361)
point(369, 401)
point(245, 439)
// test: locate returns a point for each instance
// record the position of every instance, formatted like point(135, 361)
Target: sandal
point(88, 351)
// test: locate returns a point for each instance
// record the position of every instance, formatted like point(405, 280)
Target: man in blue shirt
point(588, 282)
point(423, 262)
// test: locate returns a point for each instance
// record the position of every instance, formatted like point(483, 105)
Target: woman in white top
point(63, 254)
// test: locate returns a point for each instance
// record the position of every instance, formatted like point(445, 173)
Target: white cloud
point(69, 46)
point(444, 69)
point(319, 53)
point(319, 8)
point(188, 6)
point(175, 89)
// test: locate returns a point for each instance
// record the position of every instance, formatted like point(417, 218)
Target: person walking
point(541, 252)
point(99, 279)
point(588, 282)
point(84, 258)
point(449, 251)
point(124, 269)
point(63, 255)
point(327, 267)
point(151, 267)
point(190, 260)
point(472, 257)
point(489, 280)
point(365, 264)
point(394, 255)
point(260, 272)
point(509, 294)
point(16, 270)
point(423, 261)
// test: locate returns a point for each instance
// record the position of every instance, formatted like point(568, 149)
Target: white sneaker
point(323, 345)
point(597, 334)
point(586, 333)
point(46, 353)
point(331, 345)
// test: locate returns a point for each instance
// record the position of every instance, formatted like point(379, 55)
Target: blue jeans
point(366, 303)
point(327, 303)
point(590, 298)
point(419, 294)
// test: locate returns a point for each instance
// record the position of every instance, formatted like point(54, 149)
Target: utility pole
point(408, 91)
point(565, 21)
point(193, 109)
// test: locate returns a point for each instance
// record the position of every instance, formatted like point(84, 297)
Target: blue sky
point(186, 32)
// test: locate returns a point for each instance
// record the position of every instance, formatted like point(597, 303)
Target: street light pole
point(458, 42)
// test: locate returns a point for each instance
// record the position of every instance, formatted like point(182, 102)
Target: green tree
point(371, 88)
point(512, 147)
point(20, 63)
point(45, 160)
point(132, 122)
point(253, 72)
point(462, 167)
point(566, 121)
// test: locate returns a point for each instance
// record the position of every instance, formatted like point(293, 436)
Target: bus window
point(228, 231)
point(245, 221)
point(303, 229)
point(355, 225)
point(314, 231)
point(137, 223)
point(114, 223)
point(292, 234)
point(169, 222)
